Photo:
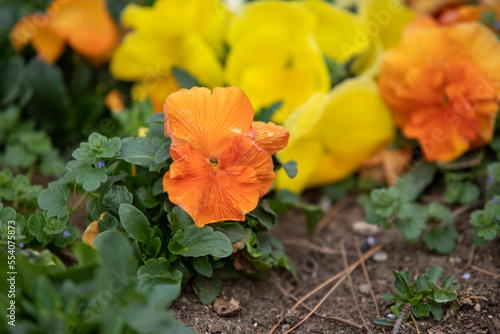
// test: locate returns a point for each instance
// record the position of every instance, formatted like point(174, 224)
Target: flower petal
point(244, 152)
point(92, 231)
point(210, 194)
point(85, 24)
point(207, 122)
point(35, 28)
point(270, 137)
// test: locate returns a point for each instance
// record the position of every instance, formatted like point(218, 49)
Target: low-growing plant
point(425, 296)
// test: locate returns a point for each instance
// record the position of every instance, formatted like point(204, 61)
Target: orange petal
point(270, 137)
point(35, 28)
point(92, 231)
point(210, 194)
point(245, 152)
point(85, 24)
point(207, 122)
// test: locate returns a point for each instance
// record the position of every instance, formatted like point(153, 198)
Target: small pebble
point(291, 316)
point(363, 228)
point(285, 328)
point(477, 307)
point(370, 240)
point(256, 321)
point(466, 276)
point(364, 289)
point(391, 316)
point(325, 203)
point(381, 256)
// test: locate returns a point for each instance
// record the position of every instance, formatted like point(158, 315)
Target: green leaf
point(453, 191)
point(447, 281)
point(383, 322)
point(54, 199)
point(435, 273)
point(200, 241)
point(411, 227)
point(163, 153)
point(234, 231)
point(264, 215)
point(403, 290)
point(203, 266)
point(183, 78)
point(135, 223)
point(439, 211)
point(208, 288)
point(470, 193)
point(422, 310)
point(290, 168)
point(443, 241)
point(115, 196)
point(153, 247)
point(389, 297)
point(90, 178)
point(413, 183)
point(265, 114)
point(115, 250)
point(141, 151)
point(436, 310)
point(179, 219)
point(443, 296)
point(12, 76)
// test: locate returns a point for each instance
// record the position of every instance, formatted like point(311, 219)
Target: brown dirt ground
point(265, 302)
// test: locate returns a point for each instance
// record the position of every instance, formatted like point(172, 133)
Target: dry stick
point(289, 295)
point(330, 280)
point(365, 272)
point(346, 265)
point(471, 257)
point(401, 318)
point(368, 254)
point(485, 271)
point(319, 304)
point(328, 217)
point(309, 245)
point(457, 212)
point(415, 322)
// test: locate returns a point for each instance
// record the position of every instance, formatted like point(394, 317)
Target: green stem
point(77, 205)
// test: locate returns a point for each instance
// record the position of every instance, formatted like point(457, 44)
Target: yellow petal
point(338, 32)
point(369, 62)
point(346, 126)
point(385, 20)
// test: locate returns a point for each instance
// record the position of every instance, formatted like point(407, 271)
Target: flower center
point(214, 162)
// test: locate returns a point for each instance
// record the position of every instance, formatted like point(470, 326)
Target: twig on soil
point(415, 322)
point(485, 271)
point(365, 272)
point(346, 265)
point(401, 318)
point(289, 295)
point(457, 212)
point(366, 256)
point(471, 256)
point(340, 275)
point(310, 246)
point(329, 215)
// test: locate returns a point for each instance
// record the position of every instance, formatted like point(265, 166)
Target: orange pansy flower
point(442, 84)
point(85, 25)
point(222, 161)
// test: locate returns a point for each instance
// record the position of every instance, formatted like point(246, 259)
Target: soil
point(265, 302)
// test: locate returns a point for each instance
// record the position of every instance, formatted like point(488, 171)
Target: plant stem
point(78, 204)
point(401, 318)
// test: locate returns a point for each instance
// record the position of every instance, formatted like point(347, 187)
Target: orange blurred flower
point(222, 161)
point(85, 25)
point(467, 13)
point(443, 86)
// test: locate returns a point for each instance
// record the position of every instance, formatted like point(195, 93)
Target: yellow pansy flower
point(333, 133)
point(274, 56)
point(184, 33)
point(383, 22)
